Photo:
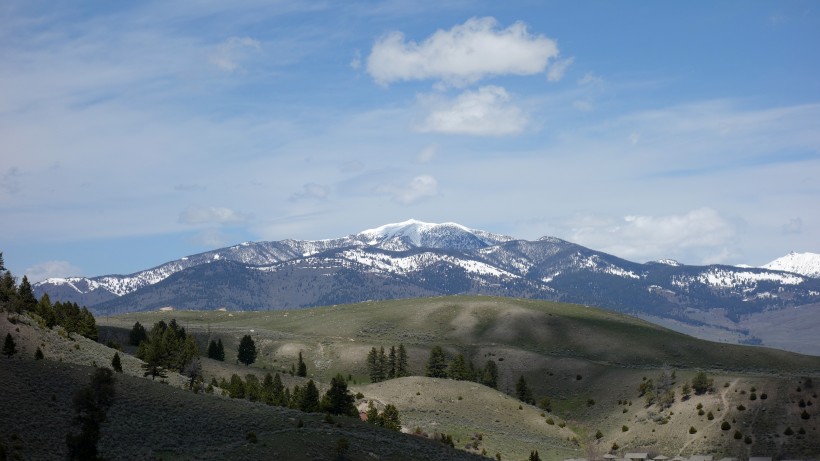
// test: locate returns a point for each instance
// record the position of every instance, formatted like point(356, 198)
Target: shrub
point(562, 424)
point(710, 416)
point(692, 430)
point(700, 412)
point(763, 396)
point(804, 415)
point(251, 437)
point(599, 435)
point(801, 431)
point(624, 428)
point(738, 435)
point(725, 425)
point(590, 402)
point(788, 431)
point(741, 407)
point(753, 396)
point(550, 421)
point(748, 440)
point(38, 354)
point(615, 446)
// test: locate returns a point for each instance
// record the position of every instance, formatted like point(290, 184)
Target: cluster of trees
point(660, 391)
point(388, 418)
point(167, 347)
point(461, 369)
point(381, 366)
point(216, 350)
point(21, 300)
point(337, 400)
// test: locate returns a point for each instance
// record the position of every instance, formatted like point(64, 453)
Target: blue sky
point(138, 132)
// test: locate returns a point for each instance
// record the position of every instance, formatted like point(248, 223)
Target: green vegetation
point(9, 346)
point(90, 406)
point(247, 351)
point(216, 350)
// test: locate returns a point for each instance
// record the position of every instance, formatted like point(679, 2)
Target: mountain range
point(417, 259)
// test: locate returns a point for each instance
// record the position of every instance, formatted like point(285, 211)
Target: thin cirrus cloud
point(311, 191)
point(418, 188)
point(462, 55)
point(229, 54)
point(213, 216)
point(702, 231)
point(487, 111)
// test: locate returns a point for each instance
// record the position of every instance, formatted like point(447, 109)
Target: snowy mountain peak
point(411, 229)
point(668, 262)
point(807, 264)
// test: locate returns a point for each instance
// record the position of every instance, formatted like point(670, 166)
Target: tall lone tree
point(401, 363)
point(301, 369)
point(523, 392)
point(338, 400)
point(90, 406)
point(137, 335)
point(247, 350)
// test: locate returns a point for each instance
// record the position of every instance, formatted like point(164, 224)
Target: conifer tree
point(90, 405)
point(220, 350)
point(338, 400)
point(401, 363)
point(137, 335)
point(390, 418)
point(247, 350)
point(489, 377)
point(8, 291)
point(522, 391)
point(309, 398)
point(372, 414)
point(459, 369)
point(373, 365)
point(301, 369)
point(236, 388)
point(38, 354)
point(2, 263)
point(115, 363)
point(391, 363)
point(382, 364)
point(279, 396)
point(213, 352)
point(9, 347)
point(534, 456)
point(26, 301)
point(437, 363)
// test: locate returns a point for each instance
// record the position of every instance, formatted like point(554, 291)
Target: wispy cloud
point(556, 71)
point(487, 111)
point(229, 54)
point(213, 215)
point(461, 55)
point(52, 269)
point(418, 188)
point(311, 191)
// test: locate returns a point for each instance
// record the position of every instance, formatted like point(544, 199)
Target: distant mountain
point(807, 264)
point(415, 259)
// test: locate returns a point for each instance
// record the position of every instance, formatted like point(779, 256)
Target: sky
point(135, 133)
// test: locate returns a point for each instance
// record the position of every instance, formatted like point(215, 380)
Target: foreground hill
point(588, 361)
point(416, 259)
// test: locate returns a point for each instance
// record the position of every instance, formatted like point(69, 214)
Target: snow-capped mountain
point(807, 264)
point(415, 258)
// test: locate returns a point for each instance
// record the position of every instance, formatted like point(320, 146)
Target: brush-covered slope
point(589, 361)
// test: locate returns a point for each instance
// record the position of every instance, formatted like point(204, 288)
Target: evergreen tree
point(26, 301)
point(2, 263)
point(193, 370)
point(534, 456)
point(372, 415)
point(700, 383)
point(401, 363)
point(38, 354)
point(523, 392)
point(338, 400)
point(391, 363)
point(8, 291)
point(309, 398)
point(459, 369)
point(220, 351)
point(390, 418)
point(45, 311)
point(9, 347)
point(278, 392)
point(489, 377)
point(137, 335)
point(236, 388)
point(301, 369)
point(373, 366)
point(247, 350)
point(115, 363)
point(253, 391)
point(437, 363)
point(90, 406)
point(213, 351)
point(382, 364)
point(267, 389)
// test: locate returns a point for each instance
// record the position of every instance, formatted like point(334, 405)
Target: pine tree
point(373, 365)
point(489, 377)
point(2, 263)
point(236, 388)
point(137, 335)
point(382, 364)
point(247, 350)
point(522, 391)
point(115, 363)
point(213, 351)
point(301, 369)
point(26, 301)
point(45, 311)
point(90, 405)
point(38, 354)
point(309, 398)
point(391, 363)
point(278, 392)
point(220, 350)
point(372, 415)
point(534, 456)
point(459, 369)
point(401, 363)
point(338, 400)
point(437, 363)
point(9, 347)
point(8, 291)
point(390, 418)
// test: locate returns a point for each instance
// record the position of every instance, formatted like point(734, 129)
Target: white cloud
point(590, 79)
point(556, 71)
point(794, 226)
point(311, 191)
point(356, 61)
point(485, 112)
point(427, 153)
point(210, 238)
point(416, 189)
point(212, 215)
point(50, 269)
point(703, 231)
point(228, 54)
point(462, 55)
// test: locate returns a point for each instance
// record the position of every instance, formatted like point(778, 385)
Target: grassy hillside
point(588, 361)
